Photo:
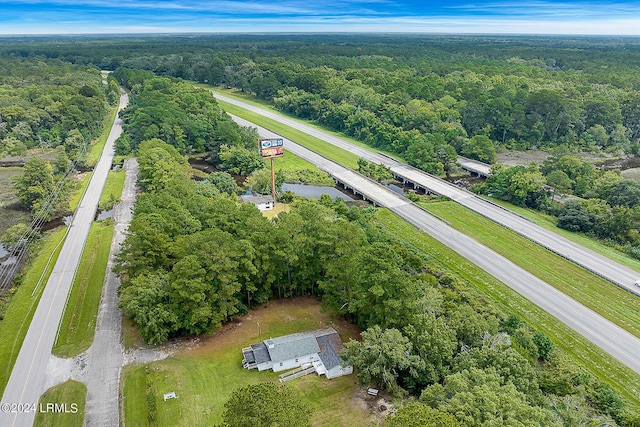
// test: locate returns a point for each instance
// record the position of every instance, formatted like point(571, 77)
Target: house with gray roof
point(317, 351)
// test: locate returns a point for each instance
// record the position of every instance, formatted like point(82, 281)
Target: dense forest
point(50, 111)
point(426, 98)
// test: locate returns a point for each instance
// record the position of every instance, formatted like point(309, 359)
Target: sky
point(597, 17)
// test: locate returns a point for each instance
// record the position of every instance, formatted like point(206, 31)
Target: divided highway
point(611, 338)
point(28, 378)
point(604, 267)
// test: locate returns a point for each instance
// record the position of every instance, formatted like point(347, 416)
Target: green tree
point(239, 160)
point(223, 182)
point(17, 233)
point(560, 181)
point(381, 357)
point(480, 147)
point(35, 186)
point(420, 415)
point(265, 405)
point(481, 398)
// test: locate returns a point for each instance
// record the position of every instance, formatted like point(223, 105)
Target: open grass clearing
point(549, 222)
point(69, 399)
point(585, 354)
point(11, 213)
point(204, 375)
point(613, 303)
point(24, 301)
point(79, 320)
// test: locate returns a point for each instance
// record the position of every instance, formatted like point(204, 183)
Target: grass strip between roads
point(79, 321)
point(586, 354)
point(17, 318)
point(612, 302)
point(549, 222)
point(62, 406)
point(112, 189)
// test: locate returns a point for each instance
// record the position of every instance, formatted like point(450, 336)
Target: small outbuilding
point(264, 203)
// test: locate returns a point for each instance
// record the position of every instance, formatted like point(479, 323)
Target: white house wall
point(295, 363)
point(339, 371)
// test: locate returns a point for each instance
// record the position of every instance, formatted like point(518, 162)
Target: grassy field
point(112, 189)
point(73, 395)
point(79, 320)
point(585, 354)
point(204, 376)
point(17, 318)
point(10, 211)
point(290, 162)
point(617, 305)
point(549, 222)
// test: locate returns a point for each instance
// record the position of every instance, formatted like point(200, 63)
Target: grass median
point(321, 147)
point(62, 406)
point(549, 222)
point(112, 189)
point(79, 321)
point(587, 355)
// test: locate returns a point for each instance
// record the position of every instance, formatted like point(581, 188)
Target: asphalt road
point(614, 340)
point(604, 267)
point(28, 378)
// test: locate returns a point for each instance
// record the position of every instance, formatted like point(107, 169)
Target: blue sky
point(608, 17)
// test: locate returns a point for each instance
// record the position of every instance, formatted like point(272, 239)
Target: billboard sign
point(271, 147)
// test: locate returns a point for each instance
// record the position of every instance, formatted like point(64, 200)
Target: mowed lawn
point(204, 375)
point(68, 400)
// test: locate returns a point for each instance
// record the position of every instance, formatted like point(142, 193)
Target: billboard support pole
point(273, 183)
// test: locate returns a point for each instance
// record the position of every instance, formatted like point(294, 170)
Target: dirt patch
point(380, 406)
point(273, 319)
point(524, 158)
point(625, 163)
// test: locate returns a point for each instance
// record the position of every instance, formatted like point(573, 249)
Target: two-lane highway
point(616, 273)
point(27, 381)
